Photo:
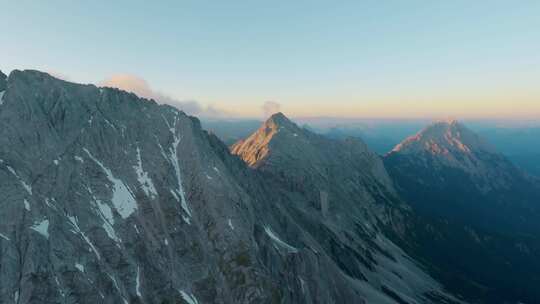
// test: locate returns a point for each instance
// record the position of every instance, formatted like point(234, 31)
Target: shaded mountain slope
point(477, 227)
point(340, 192)
point(448, 170)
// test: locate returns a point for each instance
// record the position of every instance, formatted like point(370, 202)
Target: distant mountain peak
point(444, 137)
point(279, 120)
point(256, 147)
point(279, 117)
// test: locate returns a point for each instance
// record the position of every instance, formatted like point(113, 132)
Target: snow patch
point(145, 181)
point(42, 228)
point(25, 185)
point(79, 159)
point(75, 225)
point(122, 198)
point(106, 214)
point(115, 284)
point(4, 237)
point(26, 205)
point(55, 162)
point(117, 288)
point(108, 221)
point(138, 282)
point(278, 241)
point(79, 267)
point(189, 298)
point(173, 158)
point(2, 97)
point(230, 224)
point(302, 285)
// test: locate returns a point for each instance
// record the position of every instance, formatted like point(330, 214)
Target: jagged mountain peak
point(277, 131)
point(279, 121)
point(278, 118)
point(442, 138)
point(281, 145)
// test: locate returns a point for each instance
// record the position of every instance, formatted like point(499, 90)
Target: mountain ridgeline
point(111, 198)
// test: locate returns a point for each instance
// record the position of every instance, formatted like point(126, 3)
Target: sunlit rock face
point(341, 193)
point(109, 198)
point(444, 137)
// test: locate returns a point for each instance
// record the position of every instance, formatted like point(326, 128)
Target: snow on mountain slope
point(340, 192)
point(110, 198)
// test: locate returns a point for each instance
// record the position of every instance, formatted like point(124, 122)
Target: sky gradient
point(409, 59)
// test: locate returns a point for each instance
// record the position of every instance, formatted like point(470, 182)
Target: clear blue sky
point(357, 58)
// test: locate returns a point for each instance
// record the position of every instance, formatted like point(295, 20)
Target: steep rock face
point(448, 170)
point(3, 82)
point(100, 194)
point(282, 148)
point(109, 198)
point(340, 193)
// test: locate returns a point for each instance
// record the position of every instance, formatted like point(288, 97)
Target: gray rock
point(341, 195)
point(3, 82)
point(109, 198)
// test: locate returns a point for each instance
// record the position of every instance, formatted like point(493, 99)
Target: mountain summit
point(276, 130)
point(444, 137)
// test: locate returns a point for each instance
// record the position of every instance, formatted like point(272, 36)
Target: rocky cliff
point(110, 198)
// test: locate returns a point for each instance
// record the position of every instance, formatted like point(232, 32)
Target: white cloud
point(140, 87)
point(270, 107)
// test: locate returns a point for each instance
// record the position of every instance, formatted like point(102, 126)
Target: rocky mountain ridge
point(480, 264)
point(110, 198)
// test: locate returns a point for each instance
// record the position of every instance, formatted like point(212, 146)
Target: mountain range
point(111, 198)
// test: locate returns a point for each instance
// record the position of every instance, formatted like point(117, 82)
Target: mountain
point(340, 191)
point(477, 214)
point(110, 198)
point(446, 169)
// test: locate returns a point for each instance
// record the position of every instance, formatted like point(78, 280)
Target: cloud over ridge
point(142, 88)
